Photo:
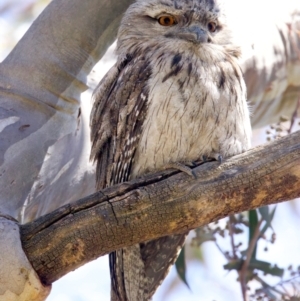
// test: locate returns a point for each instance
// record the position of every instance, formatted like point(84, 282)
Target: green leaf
point(181, 267)
point(264, 266)
point(253, 223)
point(264, 212)
point(267, 217)
point(267, 291)
point(234, 264)
point(203, 234)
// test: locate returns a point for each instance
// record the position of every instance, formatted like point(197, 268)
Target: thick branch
point(161, 204)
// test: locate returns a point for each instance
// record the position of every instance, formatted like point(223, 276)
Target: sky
point(207, 279)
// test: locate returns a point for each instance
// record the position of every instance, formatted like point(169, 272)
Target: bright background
point(205, 274)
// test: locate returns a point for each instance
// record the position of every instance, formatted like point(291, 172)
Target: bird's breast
point(192, 111)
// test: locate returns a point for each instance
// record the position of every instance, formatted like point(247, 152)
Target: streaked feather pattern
point(168, 99)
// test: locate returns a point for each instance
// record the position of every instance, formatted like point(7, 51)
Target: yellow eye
point(167, 20)
point(212, 26)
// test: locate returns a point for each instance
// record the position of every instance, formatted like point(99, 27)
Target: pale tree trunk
point(44, 148)
point(44, 140)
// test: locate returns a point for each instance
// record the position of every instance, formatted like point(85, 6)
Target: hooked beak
point(193, 34)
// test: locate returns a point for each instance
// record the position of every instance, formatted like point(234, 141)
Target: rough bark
point(160, 204)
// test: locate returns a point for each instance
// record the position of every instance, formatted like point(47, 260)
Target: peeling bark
point(160, 204)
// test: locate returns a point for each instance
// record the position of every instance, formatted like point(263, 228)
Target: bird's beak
point(193, 34)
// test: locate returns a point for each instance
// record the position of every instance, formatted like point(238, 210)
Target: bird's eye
point(212, 26)
point(167, 20)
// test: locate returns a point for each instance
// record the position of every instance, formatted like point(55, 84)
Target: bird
point(175, 95)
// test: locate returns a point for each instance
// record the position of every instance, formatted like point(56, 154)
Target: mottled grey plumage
point(176, 94)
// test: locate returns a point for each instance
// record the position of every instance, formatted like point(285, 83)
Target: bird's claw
point(204, 158)
point(183, 168)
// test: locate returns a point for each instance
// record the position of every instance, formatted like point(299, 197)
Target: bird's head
point(174, 24)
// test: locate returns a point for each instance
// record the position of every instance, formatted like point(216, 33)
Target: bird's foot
point(204, 158)
point(219, 158)
point(183, 167)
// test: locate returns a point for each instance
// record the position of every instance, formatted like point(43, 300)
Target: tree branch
point(160, 204)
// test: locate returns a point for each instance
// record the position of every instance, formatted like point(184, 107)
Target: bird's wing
point(120, 106)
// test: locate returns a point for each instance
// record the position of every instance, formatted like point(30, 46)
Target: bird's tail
point(137, 271)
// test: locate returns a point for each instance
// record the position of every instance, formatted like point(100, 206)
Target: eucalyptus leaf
point(181, 266)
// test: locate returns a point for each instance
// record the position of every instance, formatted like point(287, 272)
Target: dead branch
point(160, 204)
